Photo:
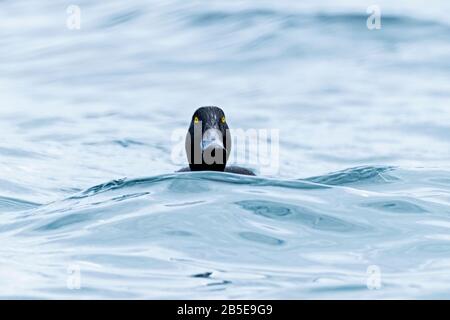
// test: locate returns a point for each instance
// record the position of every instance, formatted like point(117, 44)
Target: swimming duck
point(208, 142)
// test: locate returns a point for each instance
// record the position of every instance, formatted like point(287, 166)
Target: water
point(87, 180)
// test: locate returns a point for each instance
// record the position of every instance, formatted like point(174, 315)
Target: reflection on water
point(87, 180)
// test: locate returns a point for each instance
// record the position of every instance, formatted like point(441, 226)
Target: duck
point(208, 143)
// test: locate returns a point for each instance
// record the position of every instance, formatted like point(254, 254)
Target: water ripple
point(12, 204)
point(297, 214)
point(357, 175)
point(395, 206)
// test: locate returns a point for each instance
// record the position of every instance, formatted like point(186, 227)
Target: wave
point(104, 199)
point(228, 178)
point(13, 204)
point(222, 229)
point(365, 174)
point(353, 175)
point(297, 19)
point(264, 197)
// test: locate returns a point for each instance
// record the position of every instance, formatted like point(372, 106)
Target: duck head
point(208, 141)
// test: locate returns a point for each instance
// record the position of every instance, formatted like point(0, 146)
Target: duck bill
point(213, 150)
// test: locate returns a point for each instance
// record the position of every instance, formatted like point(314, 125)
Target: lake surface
point(359, 203)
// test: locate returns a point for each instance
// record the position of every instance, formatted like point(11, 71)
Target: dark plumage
point(208, 142)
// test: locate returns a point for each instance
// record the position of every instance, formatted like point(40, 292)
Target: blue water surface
point(358, 208)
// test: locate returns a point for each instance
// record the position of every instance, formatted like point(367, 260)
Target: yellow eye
point(223, 119)
point(196, 120)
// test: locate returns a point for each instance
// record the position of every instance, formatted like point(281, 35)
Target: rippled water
point(87, 179)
